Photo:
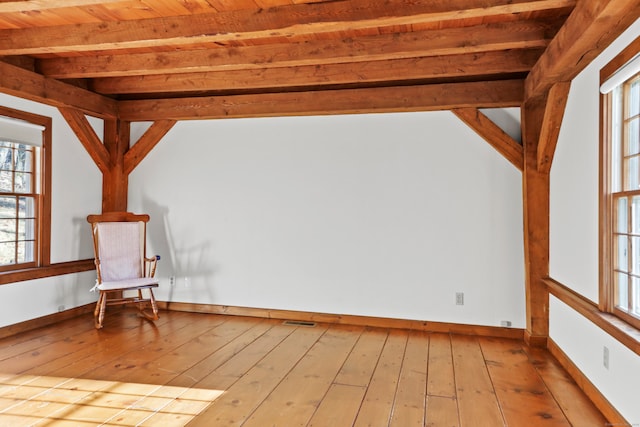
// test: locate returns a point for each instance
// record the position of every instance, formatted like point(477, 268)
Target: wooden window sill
point(622, 331)
point(57, 269)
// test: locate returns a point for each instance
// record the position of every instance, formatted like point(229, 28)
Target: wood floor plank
point(229, 371)
point(195, 375)
point(245, 395)
point(477, 403)
point(410, 401)
point(362, 361)
point(575, 405)
point(292, 405)
point(36, 350)
point(113, 347)
point(342, 402)
point(440, 378)
point(128, 367)
point(20, 420)
point(35, 339)
point(39, 356)
point(168, 366)
point(442, 412)
point(339, 406)
point(177, 413)
point(377, 406)
point(522, 395)
point(87, 343)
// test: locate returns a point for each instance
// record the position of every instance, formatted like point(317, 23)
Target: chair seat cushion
point(142, 282)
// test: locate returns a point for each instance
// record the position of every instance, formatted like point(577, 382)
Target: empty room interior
point(368, 213)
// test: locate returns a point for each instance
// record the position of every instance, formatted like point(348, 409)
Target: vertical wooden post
point(112, 154)
point(536, 186)
point(115, 181)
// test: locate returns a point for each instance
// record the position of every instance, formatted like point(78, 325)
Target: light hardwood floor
point(213, 370)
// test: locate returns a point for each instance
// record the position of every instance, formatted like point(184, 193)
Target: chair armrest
point(96, 262)
point(150, 265)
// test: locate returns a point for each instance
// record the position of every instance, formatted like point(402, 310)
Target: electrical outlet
point(605, 357)
point(172, 280)
point(459, 298)
point(505, 323)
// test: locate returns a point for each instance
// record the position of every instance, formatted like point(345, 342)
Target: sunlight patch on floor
point(27, 400)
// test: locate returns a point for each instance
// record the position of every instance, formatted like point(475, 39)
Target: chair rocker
point(121, 263)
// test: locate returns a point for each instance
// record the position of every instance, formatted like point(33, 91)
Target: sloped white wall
point(76, 192)
point(574, 239)
point(381, 215)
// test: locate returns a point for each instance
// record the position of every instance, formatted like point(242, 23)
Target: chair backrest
point(119, 245)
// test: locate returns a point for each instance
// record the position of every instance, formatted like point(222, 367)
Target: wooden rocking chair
point(121, 263)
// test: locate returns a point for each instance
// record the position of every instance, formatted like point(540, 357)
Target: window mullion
point(630, 213)
point(16, 230)
point(14, 165)
point(626, 143)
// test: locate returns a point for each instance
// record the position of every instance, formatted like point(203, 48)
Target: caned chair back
point(120, 250)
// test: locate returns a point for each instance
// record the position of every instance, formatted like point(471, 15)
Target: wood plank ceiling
point(208, 58)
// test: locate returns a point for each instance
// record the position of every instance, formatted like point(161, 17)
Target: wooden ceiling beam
point(467, 66)
point(493, 134)
point(22, 6)
point(19, 82)
point(550, 126)
point(590, 28)
point(283, 21)
point(448, 41)
point(145, 144)
point(506, 93)
point(90, 140)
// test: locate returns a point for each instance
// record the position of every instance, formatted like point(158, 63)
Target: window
point(621, 199)
point(24, 199)
point(18, 203)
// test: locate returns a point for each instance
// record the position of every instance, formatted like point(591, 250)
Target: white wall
point(76, 192)
point(380, 215)
point(574, 238)
point(584, 343)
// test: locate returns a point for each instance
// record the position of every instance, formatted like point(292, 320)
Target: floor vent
point(299, 323)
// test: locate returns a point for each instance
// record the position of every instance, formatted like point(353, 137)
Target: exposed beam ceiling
point(592, 26)
point(302, 20)
point(220, 58)
point(379, 47)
